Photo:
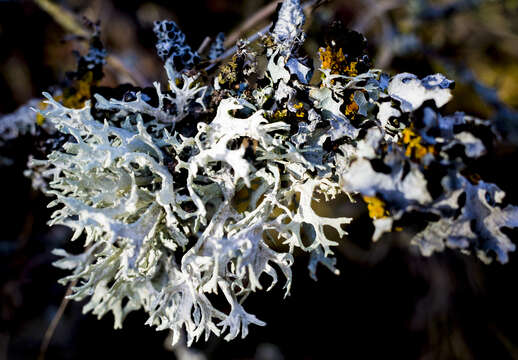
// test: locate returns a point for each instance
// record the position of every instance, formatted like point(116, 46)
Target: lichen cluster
point(207, 185)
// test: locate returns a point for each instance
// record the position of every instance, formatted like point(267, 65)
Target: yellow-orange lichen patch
point(280, 114)
point(337, 62)
point(333, 60)
point(352, 107)
point(73, 97)
point(414, 147)
point(300, 110)
point(376, 207)
point(40, 119)
point(76, 99)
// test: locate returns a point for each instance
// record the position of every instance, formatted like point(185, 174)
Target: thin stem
point(259, 16)
point(55, 321)
point(66, 19)
point(135, 76)
point(204, 44)
point(306, 6)
point(69, 21)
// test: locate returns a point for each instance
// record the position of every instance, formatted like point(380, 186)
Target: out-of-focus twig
point(377, 10)
point(204, 44)
point(63, 17)
point(435, 12)
point(307, 6)
point(135, 76)
point(389, 32)
point(47, 337)
point(229, 52)
point(72, 24)
point(259, 16)
point(512, 349)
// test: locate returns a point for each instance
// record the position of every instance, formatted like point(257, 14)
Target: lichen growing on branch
point(206, 186)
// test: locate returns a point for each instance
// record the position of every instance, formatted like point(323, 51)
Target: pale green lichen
point(176, 202)
point(112, 184)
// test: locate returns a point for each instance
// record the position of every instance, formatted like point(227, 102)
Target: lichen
point(205, 188)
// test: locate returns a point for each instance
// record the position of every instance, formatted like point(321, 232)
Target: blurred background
point(388, 300)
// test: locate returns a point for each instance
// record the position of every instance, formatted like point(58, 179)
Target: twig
point(63, 17)
point(320, 3)
point(204, 44)
point(375, 11)
point(135, 76)
point(68, 21)
point(233, 49)
point(431, 13)
point(306, 6)
point(259, 16)
point(55, 321)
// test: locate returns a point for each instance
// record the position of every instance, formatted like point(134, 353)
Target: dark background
point(388, 301)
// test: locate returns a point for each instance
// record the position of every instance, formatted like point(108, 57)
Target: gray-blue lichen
point(204, 188)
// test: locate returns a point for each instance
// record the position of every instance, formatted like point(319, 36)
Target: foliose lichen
point(198, 189)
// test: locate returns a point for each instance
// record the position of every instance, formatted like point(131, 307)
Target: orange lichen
point(337, 62)
point(376, 207)
point(351, 69)
point(76, 97)
point(300, 110)
point(280, 114)
point(352, 107)
point(229, 72)
point(73, 97)
point(333, 60)
point(414, 147)
point(40, 119)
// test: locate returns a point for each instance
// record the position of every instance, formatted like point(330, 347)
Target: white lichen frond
point(161, 238)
